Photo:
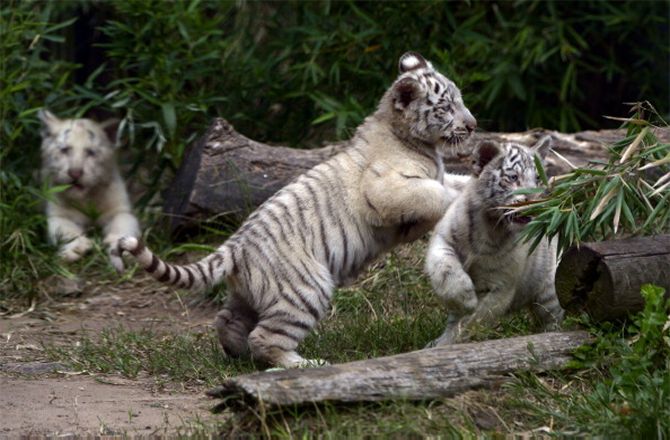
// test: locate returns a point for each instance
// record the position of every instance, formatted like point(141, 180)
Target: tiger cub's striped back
point(321, 230)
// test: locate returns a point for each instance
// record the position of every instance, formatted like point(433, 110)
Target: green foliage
point(635, 397)
point(630, 193)
point(167, 87)
point(27, 82)
point(628, 392)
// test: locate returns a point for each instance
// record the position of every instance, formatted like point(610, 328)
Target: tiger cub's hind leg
point(279, 332)
point(546, 309)
point(233, 324)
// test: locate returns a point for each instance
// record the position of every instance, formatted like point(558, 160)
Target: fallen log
point(418, 375)
point(605, 278)
point(227, 174)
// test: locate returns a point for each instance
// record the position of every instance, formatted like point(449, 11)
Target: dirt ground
point(38, 397)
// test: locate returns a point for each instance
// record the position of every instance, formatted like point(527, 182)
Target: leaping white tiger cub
point(78, 152)
point(474, 260)
point(321, 230)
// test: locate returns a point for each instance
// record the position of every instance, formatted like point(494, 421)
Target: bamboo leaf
point(660, 189)
point(524, 191)
point(564, 159)
point(628, 215)
point(575, 226)
point(590, 171)
point(324, 117)
point(540, 170)
point(556, 219)
point(602, 204)
point(657, 210)
point(617, 212)
point(632, 148)
point(634, 121)
point(662, 179)
point(170, 117)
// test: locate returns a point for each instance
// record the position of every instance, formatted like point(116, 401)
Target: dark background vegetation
point(298, 73)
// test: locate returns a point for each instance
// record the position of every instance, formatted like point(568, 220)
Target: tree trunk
point(228, 175)
point(605, 278)
point(424, 374)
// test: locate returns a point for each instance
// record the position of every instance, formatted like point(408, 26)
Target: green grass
point(616, 388)
point(191, 358)
point(390, 310)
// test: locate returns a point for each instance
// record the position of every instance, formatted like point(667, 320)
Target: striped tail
point(196, 276)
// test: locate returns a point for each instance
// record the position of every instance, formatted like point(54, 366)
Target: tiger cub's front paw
point(460, 296)
point(75, 249)
point(112, 243)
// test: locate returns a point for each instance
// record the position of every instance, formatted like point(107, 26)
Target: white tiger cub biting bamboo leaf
point(79, 153)
point(320, 231)
point(475, 261)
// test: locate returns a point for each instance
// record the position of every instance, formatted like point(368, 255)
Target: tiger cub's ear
point(542, 147)
point(111, 128)
point(50, 123)
point(410, 61)
point(484, 153)
point(404, 92)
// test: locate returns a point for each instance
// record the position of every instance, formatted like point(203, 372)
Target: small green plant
point(619, 387)
point(637, 397)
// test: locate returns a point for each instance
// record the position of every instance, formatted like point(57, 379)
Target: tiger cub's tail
point(196, 276)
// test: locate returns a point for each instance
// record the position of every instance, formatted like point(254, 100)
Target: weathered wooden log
point(418, 375)
point(226, 174)
point(605, 278)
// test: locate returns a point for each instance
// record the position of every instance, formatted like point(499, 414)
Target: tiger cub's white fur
point(321, 230)
point(78, 152)
point(475, 261)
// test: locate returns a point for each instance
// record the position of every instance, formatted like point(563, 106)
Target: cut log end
point(576, 277)
point(604, 278)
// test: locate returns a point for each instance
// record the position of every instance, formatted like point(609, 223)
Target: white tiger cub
point(476, 263)
point(78, 152)
point(322, 229)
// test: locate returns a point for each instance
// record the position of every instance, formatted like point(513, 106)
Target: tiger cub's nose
point(470, 124)
point(75, 173)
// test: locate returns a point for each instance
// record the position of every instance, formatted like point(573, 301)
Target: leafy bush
point(27, 81)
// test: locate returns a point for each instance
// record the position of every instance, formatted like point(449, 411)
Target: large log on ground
point(418, 375)
point(227, 174)
point(604, 278)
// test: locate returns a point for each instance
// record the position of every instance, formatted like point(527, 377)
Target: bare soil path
point(39, 397)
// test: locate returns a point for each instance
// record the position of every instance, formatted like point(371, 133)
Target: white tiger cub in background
point(476, 263)
point(78, 152)
point(322, 229)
